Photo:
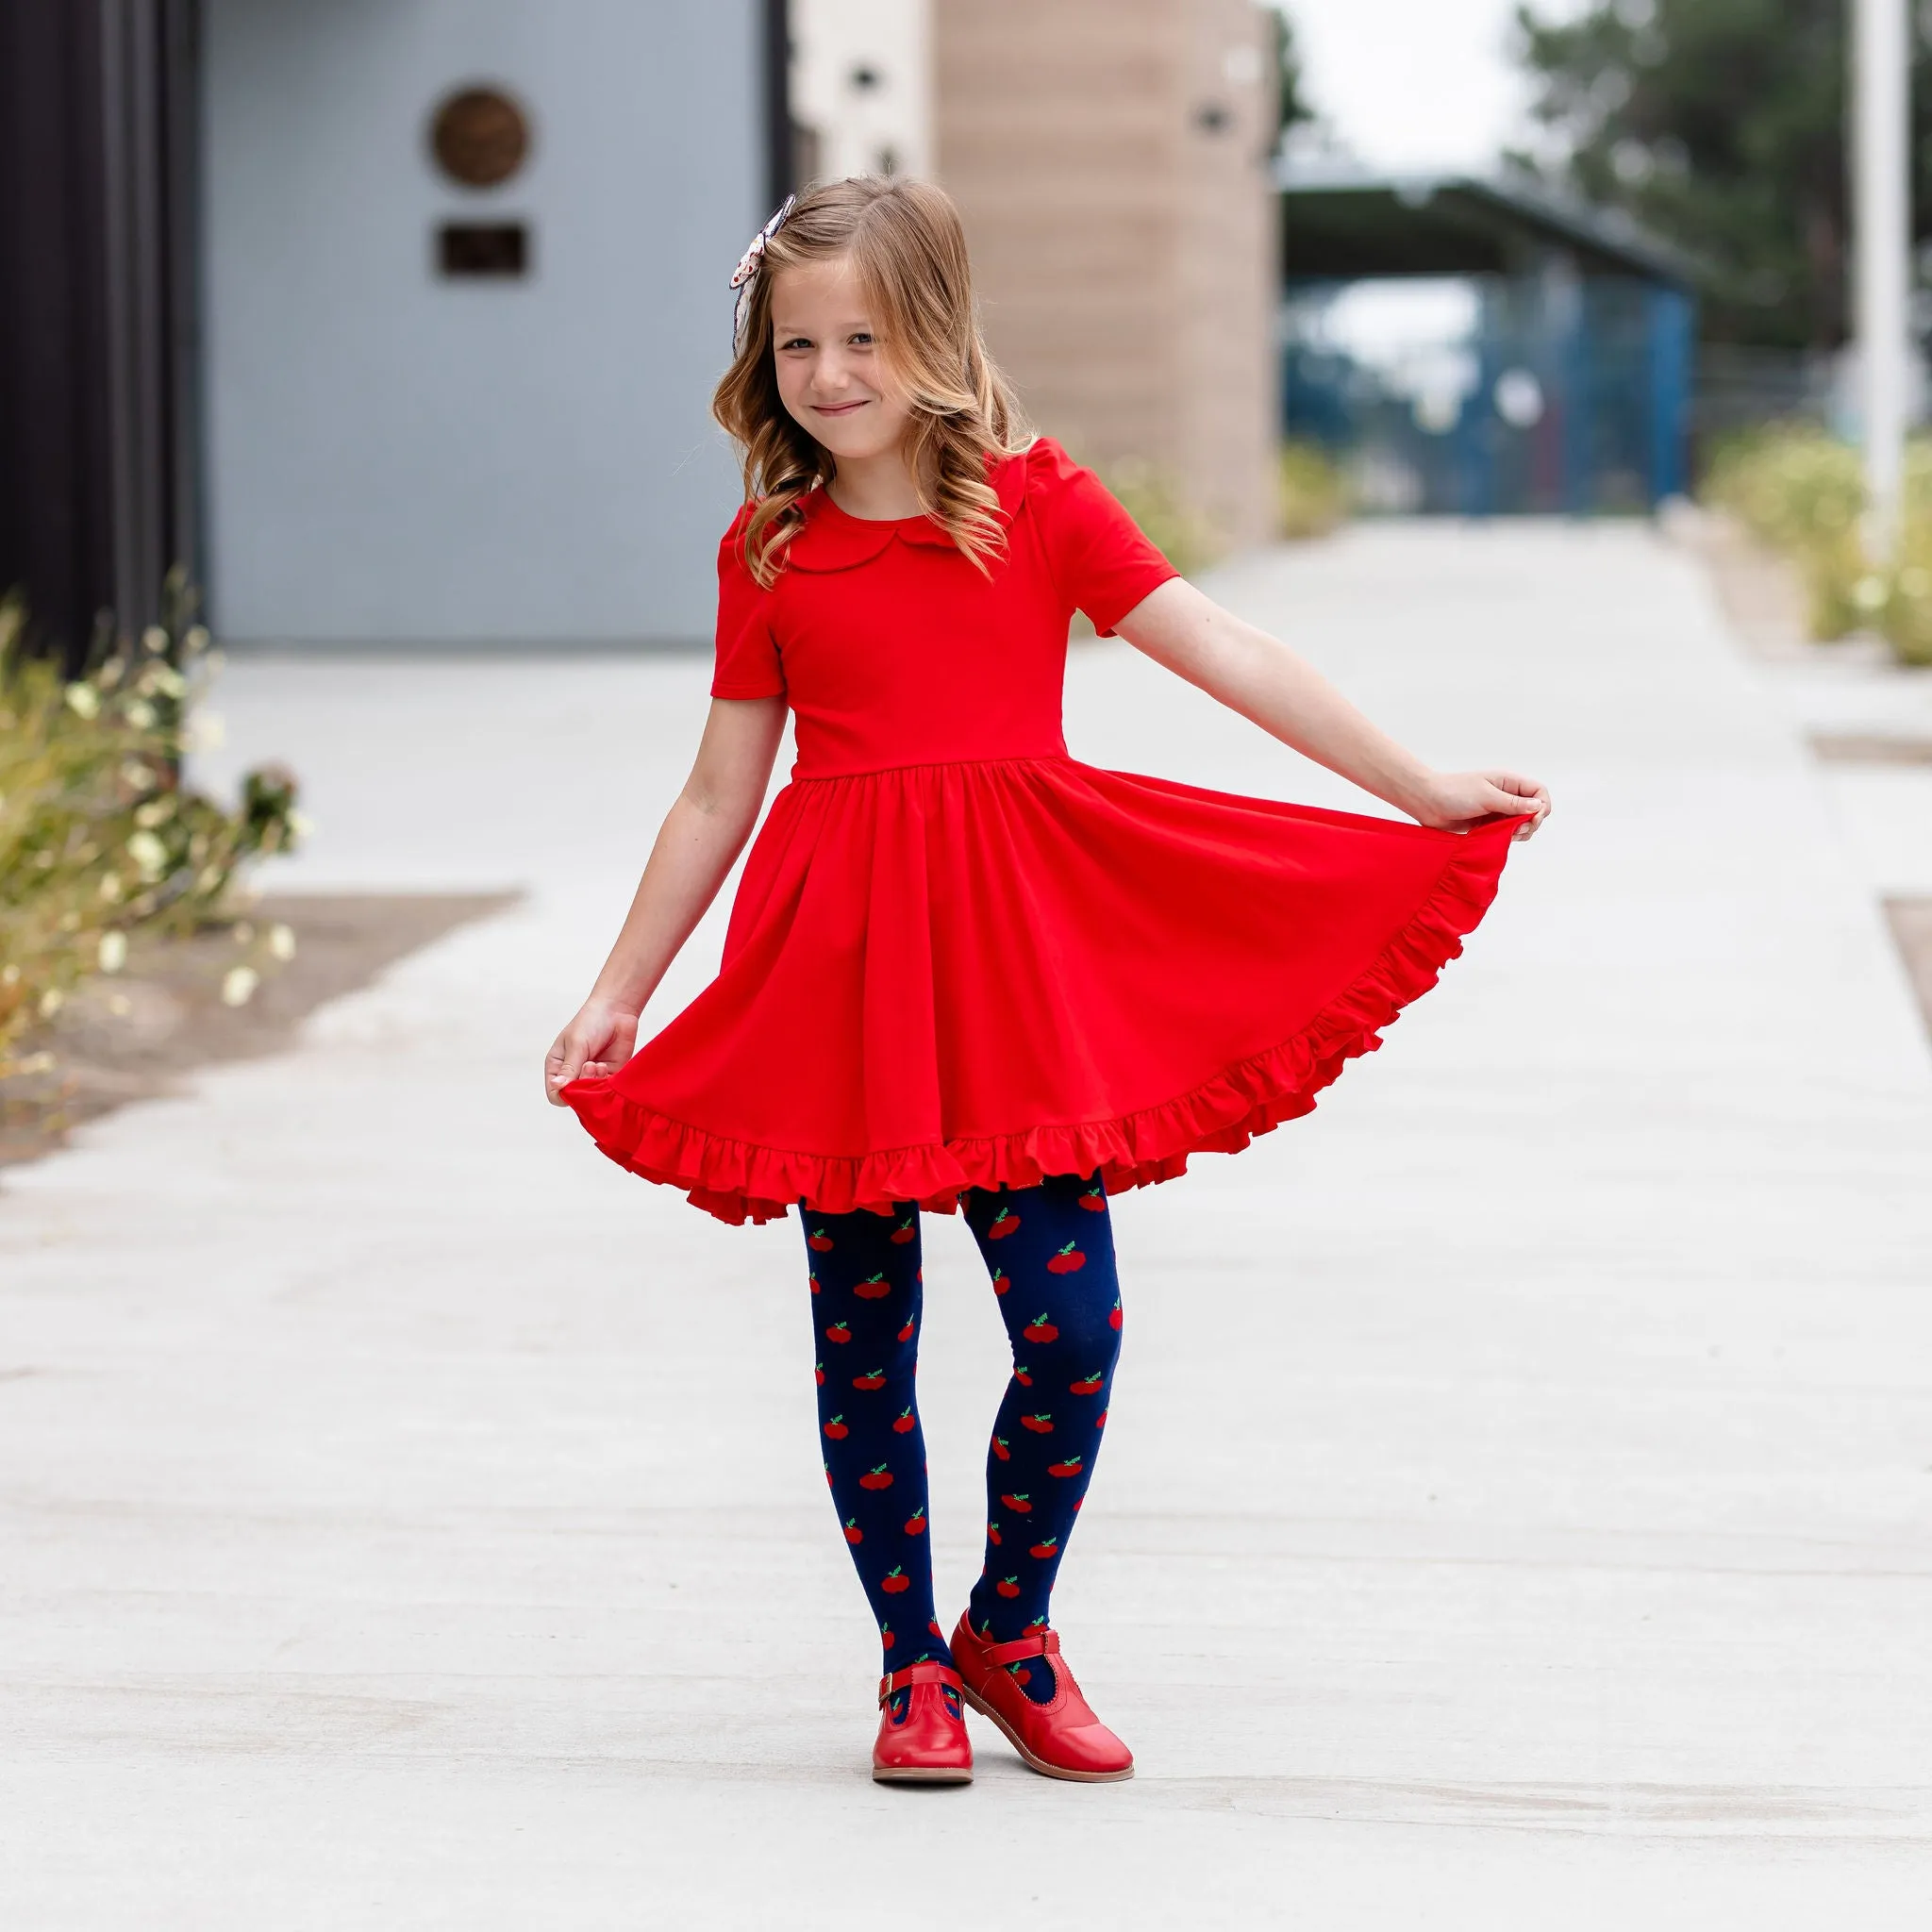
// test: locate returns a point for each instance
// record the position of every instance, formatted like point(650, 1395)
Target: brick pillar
point(1110, 157)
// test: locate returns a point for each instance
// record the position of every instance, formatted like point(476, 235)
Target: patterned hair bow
point(748, 266)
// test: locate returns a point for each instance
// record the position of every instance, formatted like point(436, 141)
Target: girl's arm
point(1260, 677)
point(701, 836)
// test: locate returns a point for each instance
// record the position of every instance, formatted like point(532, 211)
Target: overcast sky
point(1416, 84)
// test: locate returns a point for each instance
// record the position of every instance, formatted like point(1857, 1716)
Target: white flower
point(84, 701)
point(51, 1001)
point(155, 639)
point(207, 732)
point(114, 953)
point(141, 714)
point(281, 942)
point(111, 887)
point(238, 986)
point(149, 854)
point(1869, 594)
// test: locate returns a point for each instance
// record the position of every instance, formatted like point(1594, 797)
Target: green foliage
point(1314, 493)
point(1721, 125)
point(1154, 501)
point(1313, 498)
point(1292, 106)
point(98, 839)
point(1803, 492)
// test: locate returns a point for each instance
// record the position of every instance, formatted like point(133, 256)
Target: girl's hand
point(1460, 801)
point(596, 1042)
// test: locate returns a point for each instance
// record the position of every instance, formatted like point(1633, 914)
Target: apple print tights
point(1049, 1250)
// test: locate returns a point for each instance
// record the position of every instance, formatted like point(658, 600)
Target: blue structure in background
point(1579, 364)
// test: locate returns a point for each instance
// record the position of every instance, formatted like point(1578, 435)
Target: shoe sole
point(918, 1774)
point(1040, 1765)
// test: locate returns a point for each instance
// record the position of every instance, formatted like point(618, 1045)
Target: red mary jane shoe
point(926, 1741)
point(1061, 1738)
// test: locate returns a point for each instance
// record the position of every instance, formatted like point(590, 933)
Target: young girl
point(961, 968)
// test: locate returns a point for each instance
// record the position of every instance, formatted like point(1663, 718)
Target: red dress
point(957, 957)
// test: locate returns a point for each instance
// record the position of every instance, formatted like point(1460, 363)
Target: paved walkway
point(1518, 1512)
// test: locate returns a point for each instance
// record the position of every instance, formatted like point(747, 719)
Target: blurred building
point(398, 320)
point(1111, 159)
point(861, 87)
point(1561, 383)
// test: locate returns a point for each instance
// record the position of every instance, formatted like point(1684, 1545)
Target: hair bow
point(749, 264)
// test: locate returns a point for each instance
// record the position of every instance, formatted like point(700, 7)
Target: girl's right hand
point(596, 1042)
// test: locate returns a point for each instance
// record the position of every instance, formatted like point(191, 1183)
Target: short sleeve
point(748, 665)
point(1100, 560)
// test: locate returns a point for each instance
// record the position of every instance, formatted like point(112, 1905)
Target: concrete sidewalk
point(1518, 1510)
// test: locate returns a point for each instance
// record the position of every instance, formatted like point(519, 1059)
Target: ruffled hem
point(738, 1181)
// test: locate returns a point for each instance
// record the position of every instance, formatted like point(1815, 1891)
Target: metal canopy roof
point(1340, 225)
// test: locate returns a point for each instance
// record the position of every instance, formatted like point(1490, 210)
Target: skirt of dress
point(972, 975)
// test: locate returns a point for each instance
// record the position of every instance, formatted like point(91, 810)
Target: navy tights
point(1049, 1250)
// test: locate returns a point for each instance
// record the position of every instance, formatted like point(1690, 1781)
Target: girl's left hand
point(1460, 801)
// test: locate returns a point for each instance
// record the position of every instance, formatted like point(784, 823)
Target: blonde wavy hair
point(905, 242)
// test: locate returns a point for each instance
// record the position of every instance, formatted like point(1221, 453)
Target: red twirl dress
point(957, 957)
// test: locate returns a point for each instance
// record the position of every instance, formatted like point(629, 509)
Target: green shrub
point(1803, 492)
point(1314, 493)
point(98, 839)
point(1793, 487)
point(1154, 501)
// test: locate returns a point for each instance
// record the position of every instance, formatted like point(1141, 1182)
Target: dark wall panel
point(96, 285)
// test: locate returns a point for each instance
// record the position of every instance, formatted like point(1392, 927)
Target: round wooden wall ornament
point(480, 136)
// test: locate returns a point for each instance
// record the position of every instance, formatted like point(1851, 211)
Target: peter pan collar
point(831, 539)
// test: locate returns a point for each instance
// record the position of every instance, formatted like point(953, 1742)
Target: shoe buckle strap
point(929, 1673)
point(1035, 1643)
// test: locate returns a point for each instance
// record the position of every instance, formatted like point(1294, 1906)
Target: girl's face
point(832, 379)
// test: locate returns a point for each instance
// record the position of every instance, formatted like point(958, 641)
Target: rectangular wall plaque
point(482, 248)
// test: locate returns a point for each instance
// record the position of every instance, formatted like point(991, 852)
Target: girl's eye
point(863, 339)
point(796, 343)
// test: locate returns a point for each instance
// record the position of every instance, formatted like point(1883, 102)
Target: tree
point(1720, 124)
point(1294, 107)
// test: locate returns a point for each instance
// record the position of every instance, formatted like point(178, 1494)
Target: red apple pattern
point(1055, 1271)
point(1054, 1268)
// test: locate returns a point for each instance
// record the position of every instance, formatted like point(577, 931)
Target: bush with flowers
point(1803, 492)
point(99, 840)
